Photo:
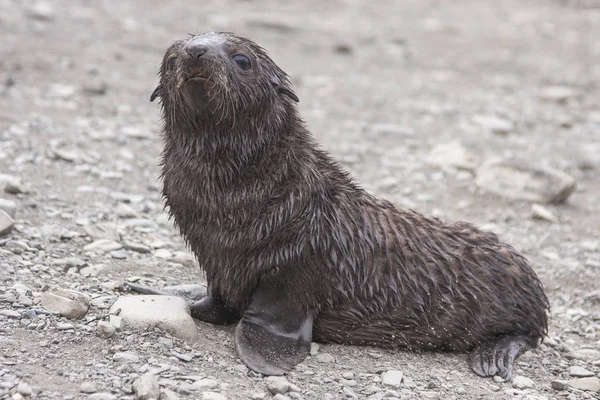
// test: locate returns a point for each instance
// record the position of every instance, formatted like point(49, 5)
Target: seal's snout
point(196, 49)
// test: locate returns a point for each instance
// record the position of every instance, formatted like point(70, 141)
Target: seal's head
point(218, 75)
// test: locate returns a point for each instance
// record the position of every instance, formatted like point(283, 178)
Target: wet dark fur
point(255, 198)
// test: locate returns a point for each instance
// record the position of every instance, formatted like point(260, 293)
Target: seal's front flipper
point(498, 356)
point(274, 334)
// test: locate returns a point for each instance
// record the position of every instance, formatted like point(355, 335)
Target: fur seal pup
point(294, 250)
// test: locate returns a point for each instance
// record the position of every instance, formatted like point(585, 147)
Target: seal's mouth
point(196, 78)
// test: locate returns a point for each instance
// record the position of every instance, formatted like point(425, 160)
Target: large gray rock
point(68, 303)
point(6, 223)
point(517, 180)
point(168, 313)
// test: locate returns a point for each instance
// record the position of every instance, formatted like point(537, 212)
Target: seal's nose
point(196, 49)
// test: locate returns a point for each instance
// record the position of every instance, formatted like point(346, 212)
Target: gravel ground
point(412, 97)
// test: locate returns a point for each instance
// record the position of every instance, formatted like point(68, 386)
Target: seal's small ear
point(290, 93)
point(283, 90)
point(155, 94)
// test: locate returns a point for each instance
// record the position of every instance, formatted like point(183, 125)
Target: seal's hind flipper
point(497, 357)
point(274, 334)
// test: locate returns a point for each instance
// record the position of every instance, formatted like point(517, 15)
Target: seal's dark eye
point(171, 62)
point(242, 61)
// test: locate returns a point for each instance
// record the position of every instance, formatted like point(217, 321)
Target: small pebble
point(521, 382)
point(277, 384)
point(87, 387)
point(212, 396)
point(324, 358)
point(24, 389)
point(106, 329)
point(126, 357)
point(392, 378)
point(146, 387)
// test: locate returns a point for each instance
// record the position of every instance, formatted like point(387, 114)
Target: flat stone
point(324, 358)
point(102, 396)
point(103, 230)
point(494, 123)
point(87, 387)
point(277, 384)
point(146, 387)
point(184, 258)
point(517, 180)
point(587, 384)
point(584, 354)
point(168, 313)
point(125, 211)
point(280, 397)
point(137, 247)
point(119, 254)
point(9, 207)
point(559, 94)
point(540, 212)
point(452, 154)
point(64, 326)
point(123, 357)
point(68, 303)
point(94, 270)
point(521, 382)
point(204, 384)
point(559, 385)
point(102, 246)
point(163, 253)
point(580, 372)
point(392, 378)
point(6, 223)
point(212, 396)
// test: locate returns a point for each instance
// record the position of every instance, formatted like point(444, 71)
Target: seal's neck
point(224, 149)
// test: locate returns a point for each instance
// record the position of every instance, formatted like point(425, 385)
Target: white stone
point(213, 396)
point(105, 329)
point(540, 212)
point(168, 313)
point(452, 154)
point(580, 372)
point(204, 384)
point(6, 223)
point(66, 302)
point(559, 93)
point(521, 382)
point(516, 180)
point(126, 357)
point(9, 207)
point(392, 378)
point(277, 384)
point(588, 384)
point(103, 230)
point(494, 123)
point(102, 246)
point(146, 387)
